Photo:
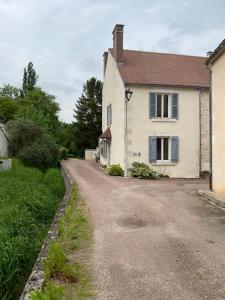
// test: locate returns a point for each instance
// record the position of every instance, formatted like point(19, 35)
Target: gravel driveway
point(152, 239)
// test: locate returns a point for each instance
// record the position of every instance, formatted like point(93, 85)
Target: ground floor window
point(162, 148)
point(103, 148)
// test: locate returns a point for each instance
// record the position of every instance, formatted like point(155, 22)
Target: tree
point(88, 115)
point(30, 78)
point(8, 109)
point(42, 109)
point(9, 91)
point(31, 144)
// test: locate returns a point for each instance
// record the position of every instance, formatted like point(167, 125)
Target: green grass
point(28, 202)
point(65, 269)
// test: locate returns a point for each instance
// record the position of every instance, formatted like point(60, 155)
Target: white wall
point(218, 125)
point(3, 143)
point(140, 127)
point(113, 93)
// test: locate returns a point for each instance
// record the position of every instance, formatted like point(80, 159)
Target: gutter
point(210, 129)
point(200, 133)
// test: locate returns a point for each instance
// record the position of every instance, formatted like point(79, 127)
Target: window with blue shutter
point(174, 149)
point(152, 149)
point(175, 106)
point(152, 105)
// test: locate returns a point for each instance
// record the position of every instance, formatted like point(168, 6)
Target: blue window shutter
point(175, 106)
point(152, 149)
point(107, 115)
point(174, 149)
point(152, 105)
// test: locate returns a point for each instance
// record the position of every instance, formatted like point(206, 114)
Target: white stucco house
point(3, 141)
point(155, 110)
point(216, 64)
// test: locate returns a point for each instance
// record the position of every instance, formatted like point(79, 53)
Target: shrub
point(143, 171)
point(31, 144)
point(63, 153)
point(115, 170)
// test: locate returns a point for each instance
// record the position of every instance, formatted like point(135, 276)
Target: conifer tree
point(88, 115)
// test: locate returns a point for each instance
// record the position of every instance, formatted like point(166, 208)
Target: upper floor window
point(162, 105)
point(109, 114)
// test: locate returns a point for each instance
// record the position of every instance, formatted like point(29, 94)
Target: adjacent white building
point(165, 123)
point(216, 64)
point(3, 141)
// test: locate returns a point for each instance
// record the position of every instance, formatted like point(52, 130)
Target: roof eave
point(166, 85)
point(216, 53)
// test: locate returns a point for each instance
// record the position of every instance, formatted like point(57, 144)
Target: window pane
point(165, 113)
point(159, 105)
point(165, 148)
point(159, 149)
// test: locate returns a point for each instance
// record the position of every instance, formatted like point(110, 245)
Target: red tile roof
point(106, 134)
point(153, 68)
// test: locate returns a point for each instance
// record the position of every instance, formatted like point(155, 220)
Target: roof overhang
point(106, 134)
point(216, 53)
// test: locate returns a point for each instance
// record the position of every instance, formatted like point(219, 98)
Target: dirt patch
point(132, 222)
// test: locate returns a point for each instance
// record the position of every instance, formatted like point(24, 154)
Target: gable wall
point(113, 93)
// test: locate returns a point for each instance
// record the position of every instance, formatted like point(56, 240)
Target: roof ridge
point(167, 53)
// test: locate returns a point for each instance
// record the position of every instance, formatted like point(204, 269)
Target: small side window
point(109, 114)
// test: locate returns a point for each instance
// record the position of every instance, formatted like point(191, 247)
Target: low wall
point(90, 154)
point(5, 164)
point(36, 279)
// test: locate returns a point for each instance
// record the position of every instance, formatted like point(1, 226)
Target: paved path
point(152, 239)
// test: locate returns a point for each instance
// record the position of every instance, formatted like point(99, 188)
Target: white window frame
point(162, 105)
point(162, 149)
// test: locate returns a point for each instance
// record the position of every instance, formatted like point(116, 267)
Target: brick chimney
point(118, 43)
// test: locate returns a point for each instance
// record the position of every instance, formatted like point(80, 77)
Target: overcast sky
point(65, 39)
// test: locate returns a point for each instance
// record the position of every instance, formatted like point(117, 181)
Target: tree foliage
point(30, 78)
point(88, 115)
point(31, 144)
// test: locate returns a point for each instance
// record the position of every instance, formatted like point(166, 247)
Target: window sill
point(164, 164)
point(163, 120)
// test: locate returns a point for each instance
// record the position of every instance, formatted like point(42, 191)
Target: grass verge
point(66, 271)
point(28, 202)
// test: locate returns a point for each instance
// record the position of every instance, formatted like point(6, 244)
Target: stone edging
point(36, 278)
point(213, 198)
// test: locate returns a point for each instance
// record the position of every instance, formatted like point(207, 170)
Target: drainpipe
point(200, 133)
point(210, 129)
point(125, 142)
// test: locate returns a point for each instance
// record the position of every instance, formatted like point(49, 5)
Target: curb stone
point(212, 197)
point(36, 279)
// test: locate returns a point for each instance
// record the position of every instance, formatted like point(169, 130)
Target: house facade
point(3, 141)
point(165, 123)
point(216, 64)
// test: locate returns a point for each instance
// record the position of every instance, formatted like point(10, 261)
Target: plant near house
point(63, 153)
point(115, 170)
point(143, 171)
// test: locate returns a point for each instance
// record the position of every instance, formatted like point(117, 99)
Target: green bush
point(115, 170)
point(63, 153)
point(28, 202)
point(143, 171)
point(32, 145)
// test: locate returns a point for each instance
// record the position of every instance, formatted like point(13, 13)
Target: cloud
point(65, 39)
